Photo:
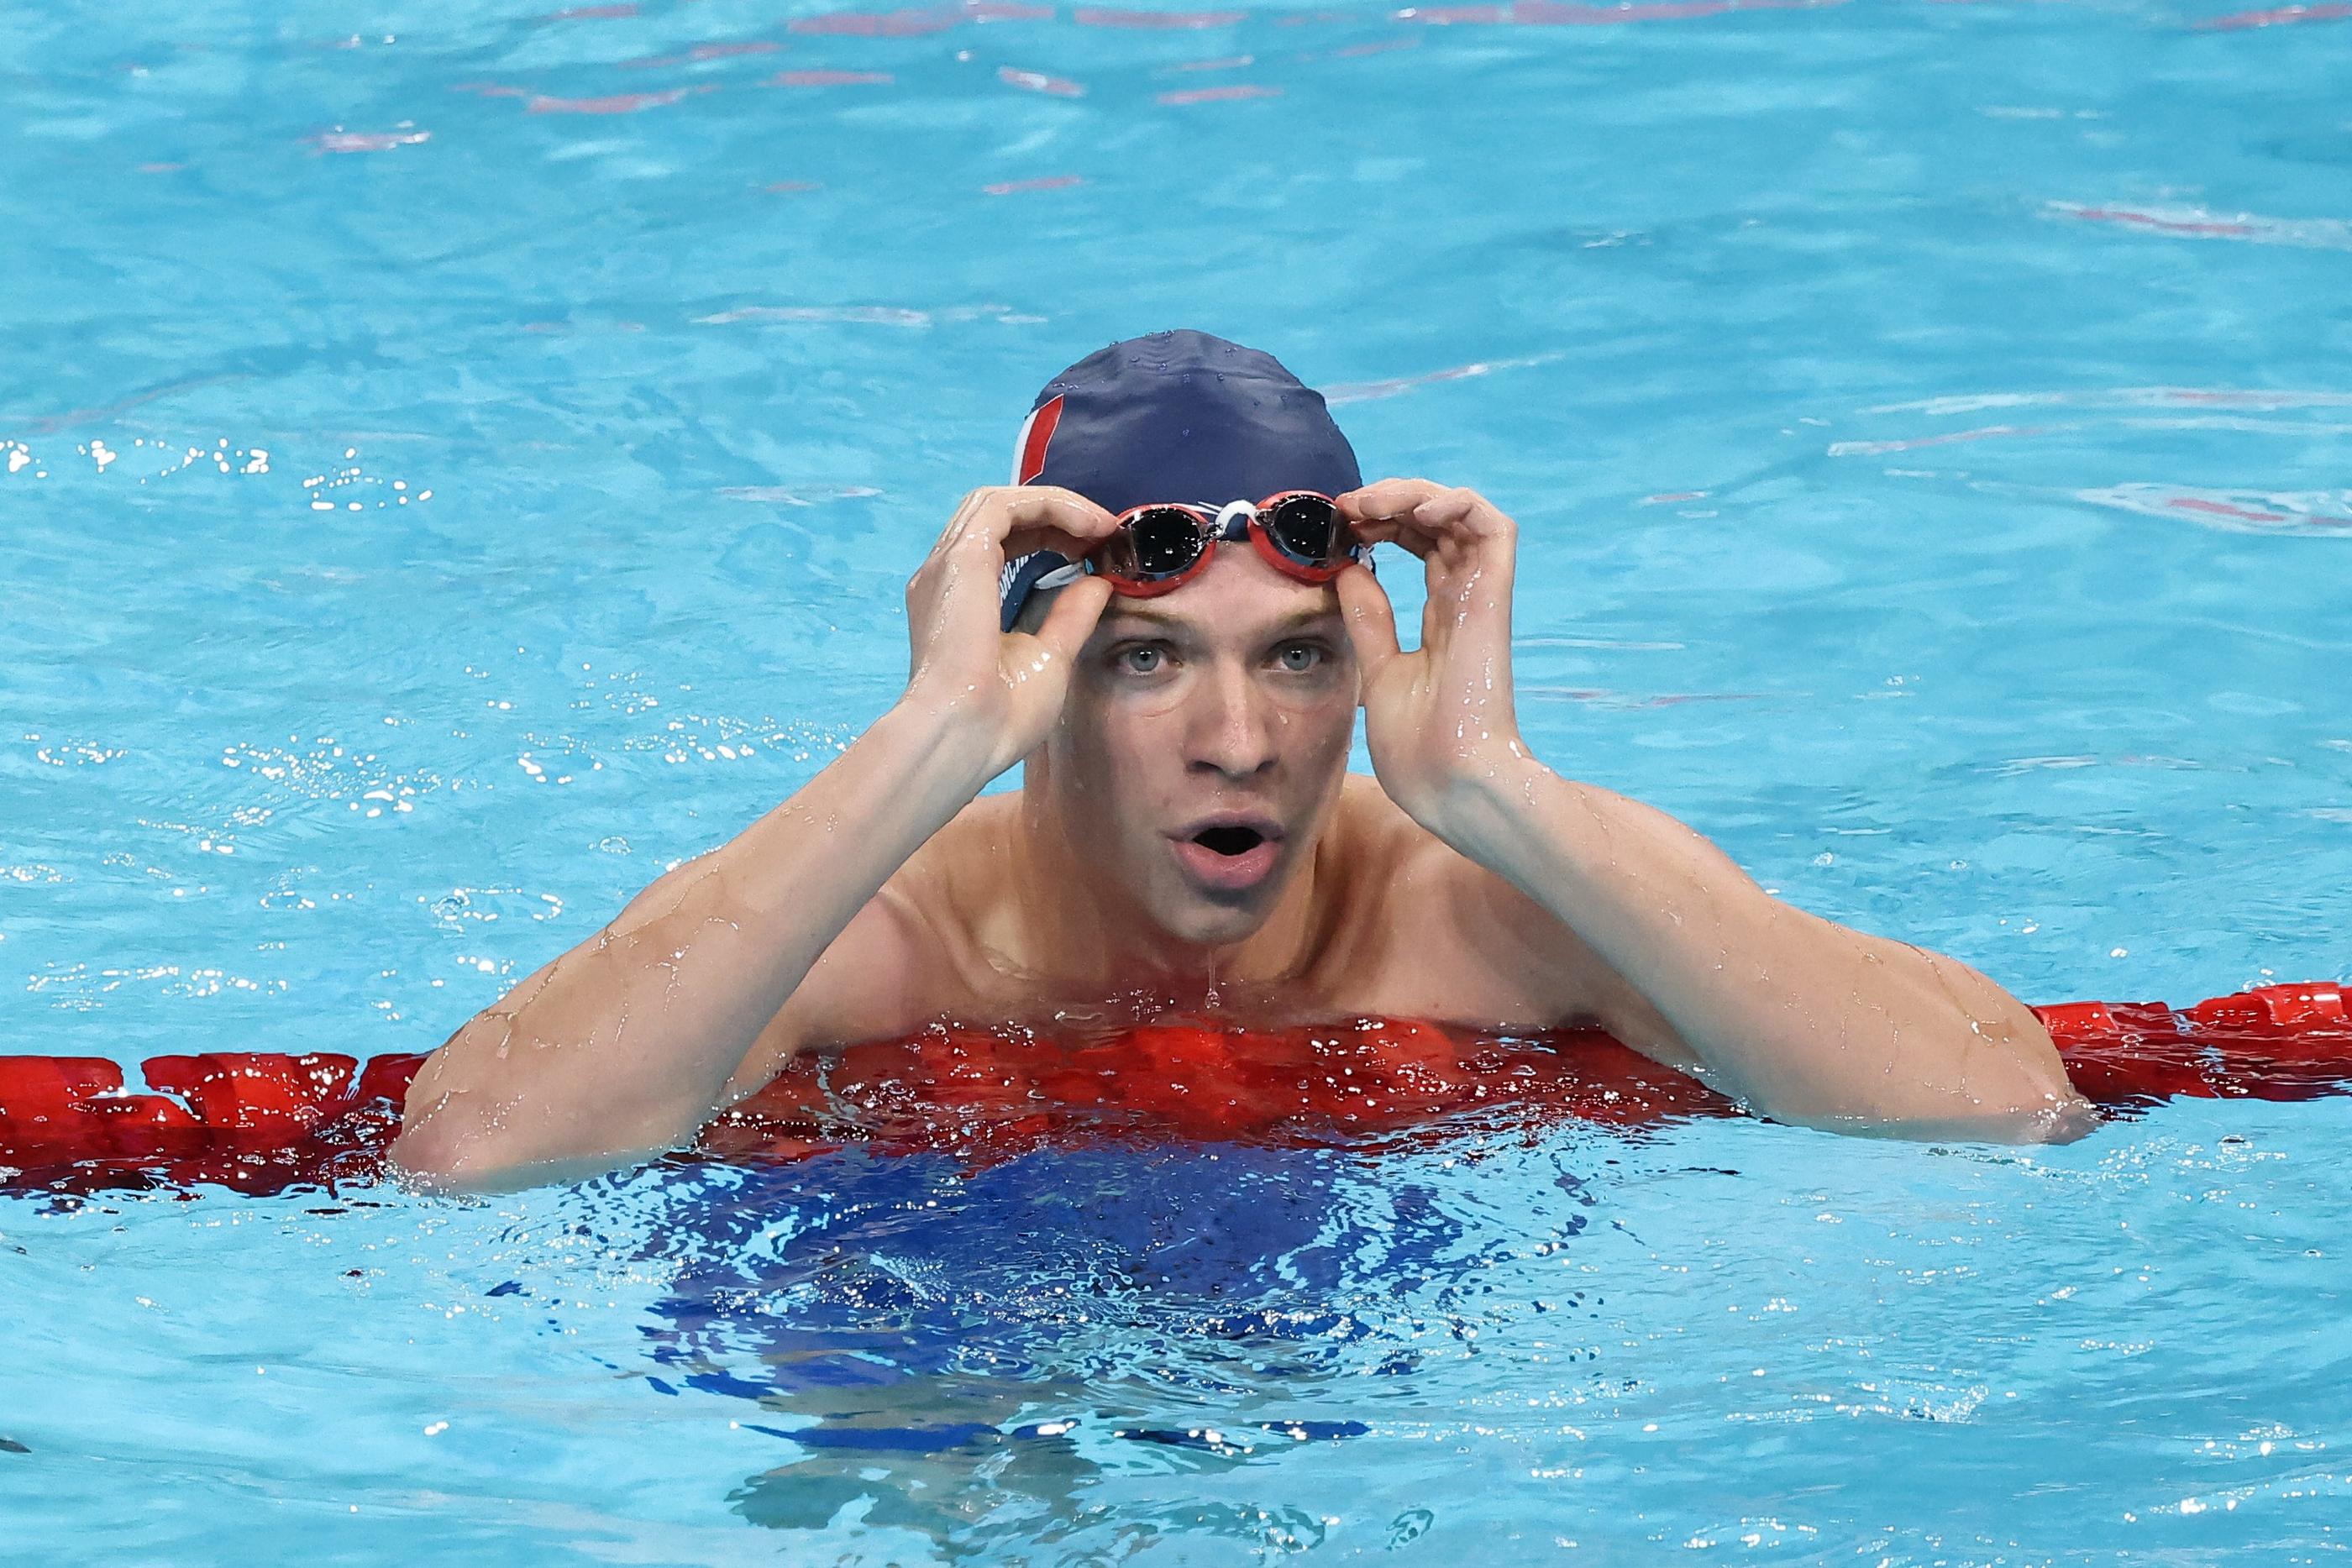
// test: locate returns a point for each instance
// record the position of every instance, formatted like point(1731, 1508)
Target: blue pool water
point(462, 461)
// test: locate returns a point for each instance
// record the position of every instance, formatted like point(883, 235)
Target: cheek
point(1334, 688)
point(1319, 727)
point(1114, 750)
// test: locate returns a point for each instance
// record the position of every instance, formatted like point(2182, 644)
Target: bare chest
point(1407, 964)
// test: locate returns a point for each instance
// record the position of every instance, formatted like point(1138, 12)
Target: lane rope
point(264, 1121)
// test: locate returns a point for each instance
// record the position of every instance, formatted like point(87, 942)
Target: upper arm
point(1631, 1018)
point(1942, 987)
point(874, 981)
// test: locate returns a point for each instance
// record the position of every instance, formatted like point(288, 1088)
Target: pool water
point(461, 460)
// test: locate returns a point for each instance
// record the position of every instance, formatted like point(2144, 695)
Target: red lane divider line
point(263, 1122)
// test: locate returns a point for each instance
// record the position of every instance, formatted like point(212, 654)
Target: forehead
point(1235, 595)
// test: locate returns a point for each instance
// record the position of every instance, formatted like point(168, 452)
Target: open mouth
point(1229, 842)
point(1231, 856)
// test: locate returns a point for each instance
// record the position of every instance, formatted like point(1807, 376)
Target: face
point(1204, 742)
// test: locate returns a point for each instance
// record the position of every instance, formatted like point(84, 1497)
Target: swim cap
point(1173, 416)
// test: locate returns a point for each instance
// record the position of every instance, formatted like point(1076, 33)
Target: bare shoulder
point(1486, 948)
point(1365, 808)
point(1387, 849)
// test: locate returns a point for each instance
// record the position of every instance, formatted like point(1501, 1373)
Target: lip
point(1228, 873)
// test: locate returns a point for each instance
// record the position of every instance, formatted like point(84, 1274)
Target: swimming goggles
point(1158, 547)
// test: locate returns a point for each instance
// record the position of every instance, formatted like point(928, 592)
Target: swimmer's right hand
point(1001, 692)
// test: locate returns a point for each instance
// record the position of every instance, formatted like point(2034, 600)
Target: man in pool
point(1177, 655)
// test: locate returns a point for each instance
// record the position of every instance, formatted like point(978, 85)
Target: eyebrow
point(1162, 621)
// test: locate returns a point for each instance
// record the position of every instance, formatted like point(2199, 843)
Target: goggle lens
point(1306, 528)
point(1156, 542)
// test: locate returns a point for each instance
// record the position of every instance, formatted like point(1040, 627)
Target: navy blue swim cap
point(1173, 416)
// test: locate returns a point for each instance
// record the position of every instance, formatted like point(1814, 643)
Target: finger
point(1022, 523)
point(1401, 531)
point(1024, 514)
point(954, 593)
point(1469, 597)
point(1468, 578)
point(1460, 512)
point(958, 522)
point(1386, 499)
point(1029, 538)
point(1447, 508)
point(1370, 621)
point(1071, 620)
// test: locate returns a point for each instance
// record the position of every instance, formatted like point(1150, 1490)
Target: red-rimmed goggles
point(1158, 547)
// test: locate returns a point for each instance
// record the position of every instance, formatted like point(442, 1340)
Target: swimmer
point(1170, 619)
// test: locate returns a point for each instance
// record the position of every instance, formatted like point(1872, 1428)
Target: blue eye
point(1299, 657)
point(1144, 660)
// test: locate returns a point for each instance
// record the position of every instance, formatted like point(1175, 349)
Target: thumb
point(1370, 619)
point(1071, 620)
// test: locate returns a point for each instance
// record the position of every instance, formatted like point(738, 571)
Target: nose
point(1231, 732)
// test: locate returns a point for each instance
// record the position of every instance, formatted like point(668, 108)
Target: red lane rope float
point(261, 1122)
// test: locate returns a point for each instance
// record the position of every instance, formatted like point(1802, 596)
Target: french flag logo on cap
point(1036, 435)
point(1028, 462)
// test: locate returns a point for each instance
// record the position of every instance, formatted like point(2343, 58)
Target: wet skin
point(1187, 840)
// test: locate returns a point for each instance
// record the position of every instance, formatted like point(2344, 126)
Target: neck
point(1090, 934)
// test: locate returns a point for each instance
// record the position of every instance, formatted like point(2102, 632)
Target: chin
point(1209, 922)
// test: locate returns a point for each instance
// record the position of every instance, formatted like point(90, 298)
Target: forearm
point(1803, 1019)
point(626, 1043)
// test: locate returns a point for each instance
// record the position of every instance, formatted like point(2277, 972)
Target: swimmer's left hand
point(1439, 720)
